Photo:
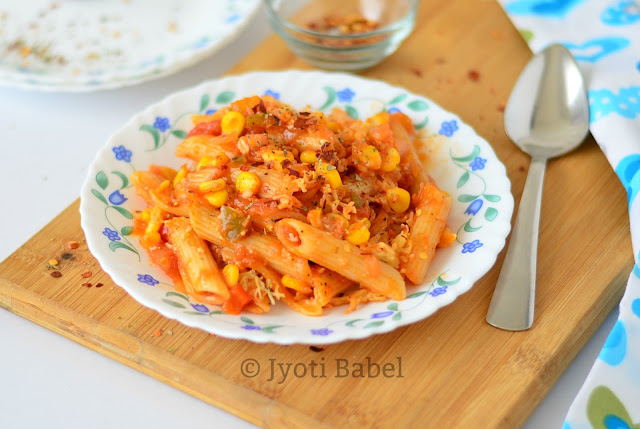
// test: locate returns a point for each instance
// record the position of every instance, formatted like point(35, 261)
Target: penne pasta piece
point(327, 284)
point(342, 257)
point(431, 219)
point(208, 225)
point(195, 259)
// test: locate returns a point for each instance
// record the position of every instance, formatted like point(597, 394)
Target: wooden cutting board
point(457, 371)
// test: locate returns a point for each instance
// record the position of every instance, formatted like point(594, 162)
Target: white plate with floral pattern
point(459, 160)
point(79, 45)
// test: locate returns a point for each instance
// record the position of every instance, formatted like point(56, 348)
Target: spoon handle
point(513, 302)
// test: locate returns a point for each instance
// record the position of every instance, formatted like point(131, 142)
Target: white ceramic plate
point(86, 45)
point(459, 160)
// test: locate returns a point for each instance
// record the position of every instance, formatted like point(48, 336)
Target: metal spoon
point(547, 115)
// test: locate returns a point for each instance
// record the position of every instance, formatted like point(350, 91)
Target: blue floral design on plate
point(439, 290)
point(147, 279)
point(544, 8)
point(111, 234)
point(381, 315)
point(477, 164)
point(200, 307)
point(448, 128)
point(595, 49)
point(116, 198)
point(394, 110)
point(210, 111)
point(471, 246)
point(345, 95)
point(251, 327)
point(624, 12)
point(161, 124)
point(604, 101)
point(615, 348)
point(323, 331)
point(272, 93)
point(474, 207)
point(611, 421)
point(122, 153)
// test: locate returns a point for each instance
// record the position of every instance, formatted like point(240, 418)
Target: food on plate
point(273, 204)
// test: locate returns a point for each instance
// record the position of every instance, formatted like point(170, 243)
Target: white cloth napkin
point(604, 36)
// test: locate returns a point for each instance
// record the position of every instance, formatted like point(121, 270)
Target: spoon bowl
point(548, 110)
point(547, 115)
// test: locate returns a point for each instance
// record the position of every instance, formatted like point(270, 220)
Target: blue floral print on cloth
point(604, 37)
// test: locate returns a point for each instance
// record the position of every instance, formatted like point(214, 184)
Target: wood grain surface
point(457, 370)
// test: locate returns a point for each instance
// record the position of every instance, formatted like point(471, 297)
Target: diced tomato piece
point(211, 128)
point(238, 299)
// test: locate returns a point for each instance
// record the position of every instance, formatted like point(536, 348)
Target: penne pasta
point(200, 270)
point(340, 256)
point(431, 219)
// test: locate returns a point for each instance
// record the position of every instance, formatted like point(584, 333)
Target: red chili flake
point(474, 75)
point(416, 71)
point(99, 285)
point(501, 106)
point(521, 168)
point(316, 349)
point(86, 284)
point(56, 274)
point(72, 245)
point(86, 275)
point(293, 172)
point(324, 146)
point(259, 108)
point(157, 332)
point(286, 163)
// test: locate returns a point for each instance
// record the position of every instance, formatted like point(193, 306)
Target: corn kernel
point(182, 173)
point(53, 262)
point(164, 185)
point(217, 160)
point(277, 156)
point(248, 184)
point(370, 155)
point(212, 185)
point(366, 222)
point(391, 161)
point(293, 283)
point(309, 157)
point(232, 122)
point(336, 216)
point(329, 171)
point(398, 199)
point(217, 198)
point(145, 216)
point(333, 126)
point(154, 224)
point(358, 234)
point(231, 274)
point(379, 119)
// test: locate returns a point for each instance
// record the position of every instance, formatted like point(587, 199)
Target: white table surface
point(47, 141)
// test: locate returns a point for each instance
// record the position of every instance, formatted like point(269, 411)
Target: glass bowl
point(342, 34)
